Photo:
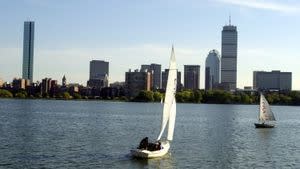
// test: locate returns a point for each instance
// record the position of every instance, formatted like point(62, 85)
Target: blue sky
point(70, 33)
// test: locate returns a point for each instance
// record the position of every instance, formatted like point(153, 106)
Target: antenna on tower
point(229, 19)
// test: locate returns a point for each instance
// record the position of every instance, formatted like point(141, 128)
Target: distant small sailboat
point(168, 118)
point(265, 114)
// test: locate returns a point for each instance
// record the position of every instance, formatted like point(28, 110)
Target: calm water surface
point(88, 134)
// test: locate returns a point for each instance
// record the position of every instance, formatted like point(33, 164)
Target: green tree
point(157, 96)
point(273, 98)
point(59, 95)
point(21, 94)
point(208, 96)
point(179, 97)
point(66, 95)
point(38, 95)
point(46, 95)
point(185, 96)
point(5, 93)
point(123, 98)
point(144, 96)
point(270, 98)
point(197, 96)
point(237, 98)
point(222, 97)
point(284, 99)
point(295, 95)
point(77, 96)
point(245, 99)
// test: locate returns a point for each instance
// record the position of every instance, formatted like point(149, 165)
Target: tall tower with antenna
point(229, 56)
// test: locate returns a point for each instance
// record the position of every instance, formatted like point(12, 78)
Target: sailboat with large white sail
point(265, 114)
point(168, 118)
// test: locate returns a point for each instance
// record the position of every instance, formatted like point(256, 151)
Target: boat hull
point(140, 153)
point(264, 125)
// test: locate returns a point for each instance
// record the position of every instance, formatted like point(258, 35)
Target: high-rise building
point(212, 70)
point(137, 81)
point(145, 68)
point(99, 73)
point(229, 57)
point(98, 69)
point(28, 50)
point(50, 87)
point(64, 81)
point(45, 85)
point(192, 77)
point(155, 69)
point(164, 79)
point(19, 83)
point(274, 80)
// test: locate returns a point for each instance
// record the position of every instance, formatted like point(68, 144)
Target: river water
point(95, 134)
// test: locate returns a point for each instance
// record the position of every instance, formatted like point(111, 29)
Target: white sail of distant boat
point(168, 115)
point(265, 114)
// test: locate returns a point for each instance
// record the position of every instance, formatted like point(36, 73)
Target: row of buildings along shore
point(220, 73)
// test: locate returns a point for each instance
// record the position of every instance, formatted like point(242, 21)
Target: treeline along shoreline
point(184, 96)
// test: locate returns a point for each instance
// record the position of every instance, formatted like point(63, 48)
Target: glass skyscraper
point(28, 50)
point(212, 70)
point(229, 57)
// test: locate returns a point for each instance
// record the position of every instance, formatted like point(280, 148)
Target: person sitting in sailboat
point(144, 144)
point(161, 147)
point(154, 146)
point(158, 145)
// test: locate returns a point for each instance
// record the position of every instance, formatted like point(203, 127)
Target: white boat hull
point(140, 153)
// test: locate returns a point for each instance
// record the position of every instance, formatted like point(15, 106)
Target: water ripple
point(67, 134)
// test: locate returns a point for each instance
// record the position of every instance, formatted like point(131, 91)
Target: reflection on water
point(265, 134)
point(220, 138)
point(81, 134)
point(164, 162)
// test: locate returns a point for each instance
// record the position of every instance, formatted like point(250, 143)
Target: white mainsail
point(171, 124)
point(265, 112)
point(169, 102)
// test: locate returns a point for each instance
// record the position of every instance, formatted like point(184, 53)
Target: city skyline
point(263, 41)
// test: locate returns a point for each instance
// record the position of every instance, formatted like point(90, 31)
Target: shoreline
point(121, 101)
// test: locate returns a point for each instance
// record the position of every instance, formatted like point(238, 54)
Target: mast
point(170, 93)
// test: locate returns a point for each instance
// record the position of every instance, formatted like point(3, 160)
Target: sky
point(71, 33)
